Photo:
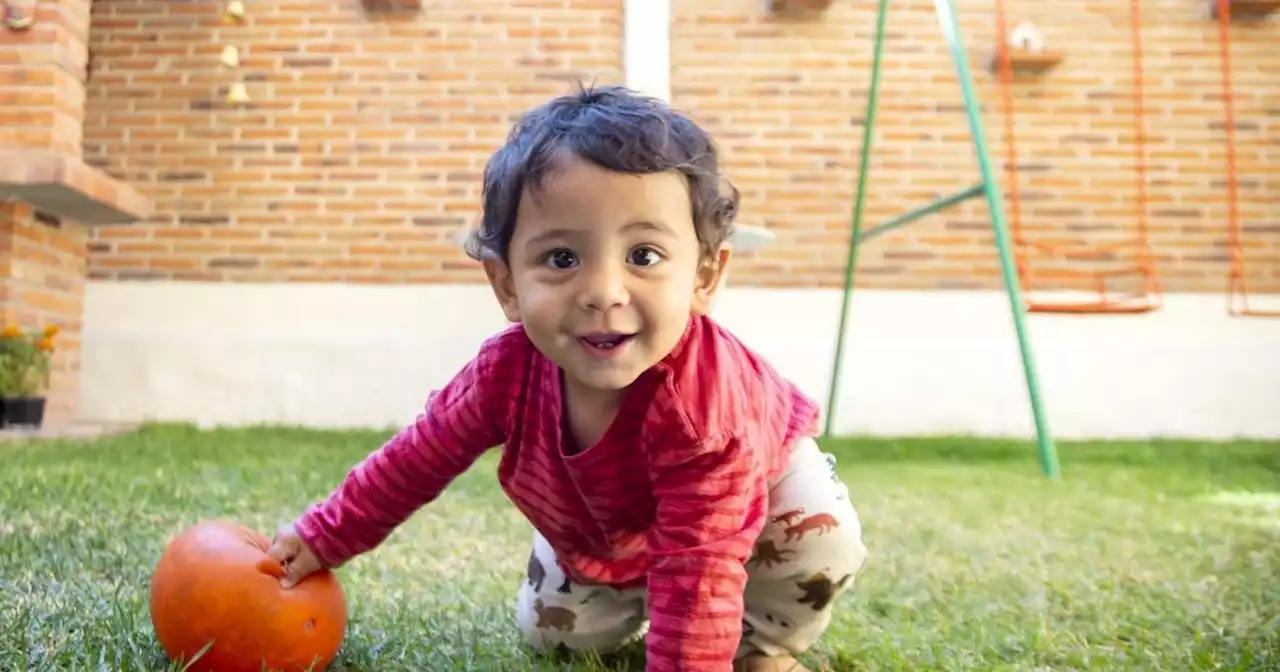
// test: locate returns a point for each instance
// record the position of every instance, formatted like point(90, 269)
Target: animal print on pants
point(809, 553)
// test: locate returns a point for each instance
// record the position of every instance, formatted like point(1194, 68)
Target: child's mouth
point(605, 344)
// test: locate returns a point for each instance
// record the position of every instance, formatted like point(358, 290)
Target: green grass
point(1158, 555)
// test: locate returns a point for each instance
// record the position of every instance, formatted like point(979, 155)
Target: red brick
point(369, 131)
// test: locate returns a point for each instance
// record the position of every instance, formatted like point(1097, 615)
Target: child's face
point(604, 271)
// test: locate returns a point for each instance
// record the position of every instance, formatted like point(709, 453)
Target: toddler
point(669, 471)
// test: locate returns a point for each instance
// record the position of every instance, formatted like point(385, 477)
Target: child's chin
point(611, 381)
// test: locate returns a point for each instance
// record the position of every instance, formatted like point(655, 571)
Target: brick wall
point(788, 98)
point(42, 270)
point(359, 155)
point(358, 158)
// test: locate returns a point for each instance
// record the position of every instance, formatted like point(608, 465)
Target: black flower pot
point(21, 412)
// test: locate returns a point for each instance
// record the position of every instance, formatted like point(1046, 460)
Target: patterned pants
point(809, 552)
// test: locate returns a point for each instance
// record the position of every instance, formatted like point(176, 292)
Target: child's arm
point(710, 508)
point(462, 420)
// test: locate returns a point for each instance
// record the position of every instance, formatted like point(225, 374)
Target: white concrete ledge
point(917, 362)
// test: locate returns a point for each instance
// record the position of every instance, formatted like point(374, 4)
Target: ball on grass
point(215, 586)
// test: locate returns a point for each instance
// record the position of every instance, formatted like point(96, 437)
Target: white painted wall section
point(917, 363)
point(646, 47)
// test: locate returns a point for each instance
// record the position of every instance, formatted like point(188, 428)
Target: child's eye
point(562, 258)
point(645, 256)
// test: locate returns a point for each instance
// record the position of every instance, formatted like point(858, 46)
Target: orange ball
point(215, 583)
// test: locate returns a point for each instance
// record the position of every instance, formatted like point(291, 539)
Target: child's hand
point(298, 561)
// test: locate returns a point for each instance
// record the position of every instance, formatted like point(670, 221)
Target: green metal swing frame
point(988, 187)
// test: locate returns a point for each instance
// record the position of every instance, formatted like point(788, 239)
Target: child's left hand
point(288, 549)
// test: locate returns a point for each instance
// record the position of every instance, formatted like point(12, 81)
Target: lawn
point(1160, 555)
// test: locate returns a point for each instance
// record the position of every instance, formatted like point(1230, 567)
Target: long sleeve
point(711, 507)
point(461, 421)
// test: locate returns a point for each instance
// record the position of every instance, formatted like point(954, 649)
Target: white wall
point(917, 363)
point(646, 46)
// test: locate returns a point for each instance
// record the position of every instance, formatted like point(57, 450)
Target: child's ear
point(710, 274)
point(504, 287)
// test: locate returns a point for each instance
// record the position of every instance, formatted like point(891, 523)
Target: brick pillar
point(44, 265)
point(48, 195)
point(42, 72)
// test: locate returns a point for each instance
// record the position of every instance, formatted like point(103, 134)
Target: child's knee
point(812, 522)
point(567, 622)
point(547, 626)
point(787, 612)
point(808, 555)
point(554, 613)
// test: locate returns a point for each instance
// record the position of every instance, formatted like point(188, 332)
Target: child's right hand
point(288, 549)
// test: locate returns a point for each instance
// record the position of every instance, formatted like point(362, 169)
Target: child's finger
point(281, 551)
point(298, 570)
point(291, 576)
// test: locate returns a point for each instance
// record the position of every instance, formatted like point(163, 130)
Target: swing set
point(1134, 254)
point(1237, 289)
point(1015, 248)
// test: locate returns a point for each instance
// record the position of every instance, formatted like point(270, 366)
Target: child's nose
point(603, 287)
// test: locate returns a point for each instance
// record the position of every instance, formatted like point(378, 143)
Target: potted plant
point(24, 375)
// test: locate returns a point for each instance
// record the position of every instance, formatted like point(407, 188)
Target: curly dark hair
point(616, 129)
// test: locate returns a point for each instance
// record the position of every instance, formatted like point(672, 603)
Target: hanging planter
point(24, 375)
point(18, 18)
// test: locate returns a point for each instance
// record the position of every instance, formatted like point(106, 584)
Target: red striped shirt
point(673, 496)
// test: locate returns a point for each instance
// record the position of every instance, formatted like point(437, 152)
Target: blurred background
point(243, 212)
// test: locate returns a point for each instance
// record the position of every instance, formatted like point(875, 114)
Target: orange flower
point(51, 331)
point(12, 331)
point(45, 344)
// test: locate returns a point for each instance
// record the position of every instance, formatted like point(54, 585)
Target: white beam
point(646, 47)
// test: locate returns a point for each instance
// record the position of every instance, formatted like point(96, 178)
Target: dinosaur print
point(781, 623)
point(819, 590)
point(565, 588)
point(831, 469)
point(786, 517)
point(556, 618)
point(591, 594)
point(822, 522)
point(536, 573)
point(767, 552)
